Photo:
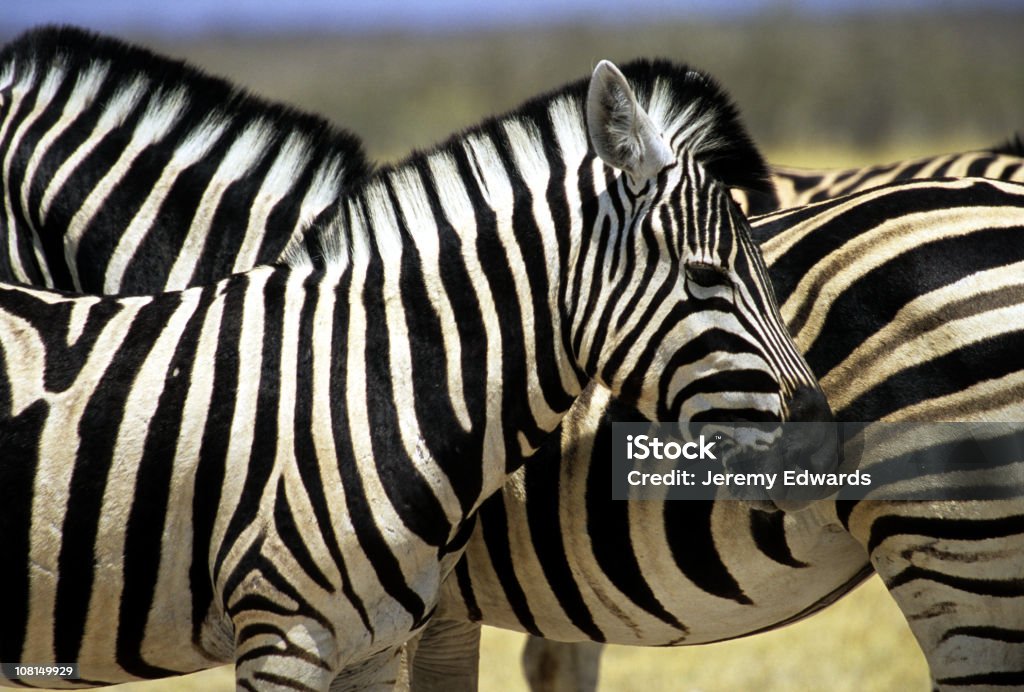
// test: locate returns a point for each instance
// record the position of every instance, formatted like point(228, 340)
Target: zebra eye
point(707, 275)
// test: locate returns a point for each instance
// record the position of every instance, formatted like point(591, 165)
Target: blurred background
point(819, 82)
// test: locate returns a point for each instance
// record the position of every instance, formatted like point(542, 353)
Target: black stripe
point(376, 549)
point(63, 362)
point(688, 528)
point(494, 522)
point(305, 447)
point(157, 252)
point(608, 522)
point(1009, 678)
point(54, 228)
point(259, 458)
point(979, 166)
point(989, 359)
point(768, 529)
point(210, 470)
point(496, 269)
point(408, 491)
point(20, 441)
point(956, 529)
point(999, 588)
point(144, 534)
point(98, 433)
point(528, 238)
point(465, 582)
point(996, 634)
point(292, 537)
point(541, 480)
point(431, 398)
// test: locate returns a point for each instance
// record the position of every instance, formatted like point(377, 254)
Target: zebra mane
point(692, 111)
point(1013, 146)
point(201, 101)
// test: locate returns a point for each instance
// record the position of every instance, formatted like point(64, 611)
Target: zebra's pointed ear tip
point(600, 79)
point(605, 70)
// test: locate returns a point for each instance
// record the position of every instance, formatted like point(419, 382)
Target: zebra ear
point(621, 132)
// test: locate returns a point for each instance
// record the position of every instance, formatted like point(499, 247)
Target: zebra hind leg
point(445, 657)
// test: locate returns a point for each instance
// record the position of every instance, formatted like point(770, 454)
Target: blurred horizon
point(185, 18)
point(818, 82)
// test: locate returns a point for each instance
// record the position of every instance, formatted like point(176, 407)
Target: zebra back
point(124, 170)
point(795, 187)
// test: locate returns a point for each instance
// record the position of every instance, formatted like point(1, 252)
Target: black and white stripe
point(127, 171)
point(186, 442)
point(796, 187)
point(908, 302)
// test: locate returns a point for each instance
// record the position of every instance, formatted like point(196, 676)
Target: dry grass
point(861, 643)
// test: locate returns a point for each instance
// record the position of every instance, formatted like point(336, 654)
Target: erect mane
point(208, 98)
point(693, 112)
point(1011, 147)
point(690, 105)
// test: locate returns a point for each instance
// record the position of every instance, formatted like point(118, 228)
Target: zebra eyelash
point(707, 275)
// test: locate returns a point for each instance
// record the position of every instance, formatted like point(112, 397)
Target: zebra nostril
point(808, 405)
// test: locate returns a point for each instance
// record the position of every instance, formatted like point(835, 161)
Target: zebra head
point(689, 325)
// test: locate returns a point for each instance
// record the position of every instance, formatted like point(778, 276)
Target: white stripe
point(501, 200)
point(407, 548)
point(53, 474)
point(462, 218)
point(173, 578)
point(80, 99)
point(420, 220)
point(44, 95)
point(244, 153)
point(160, 115)
point(291, 159)
point(99, 641)
point(241, 434)
point(120, 106)
point(195, 146)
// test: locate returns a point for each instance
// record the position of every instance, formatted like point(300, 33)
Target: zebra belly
point(768, 576)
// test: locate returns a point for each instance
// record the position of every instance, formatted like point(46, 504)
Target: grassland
point(812, 93)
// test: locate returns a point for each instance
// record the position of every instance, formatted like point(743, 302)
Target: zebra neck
point(464, 343)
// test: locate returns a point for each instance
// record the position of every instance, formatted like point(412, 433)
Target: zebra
point(515, 259)
point(936, 166)
point(904, 170)
point(90, 124)
point(880, 303)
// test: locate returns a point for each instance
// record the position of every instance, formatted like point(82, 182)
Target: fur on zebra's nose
point(808, 405)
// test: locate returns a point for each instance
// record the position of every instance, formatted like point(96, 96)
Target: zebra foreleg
point(445, 658)
point(551, 666)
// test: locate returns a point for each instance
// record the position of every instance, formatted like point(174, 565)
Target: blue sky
point(189, 16)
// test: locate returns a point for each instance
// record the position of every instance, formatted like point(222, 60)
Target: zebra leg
point(445, 657)
point(379, 673)
point(552, 666)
